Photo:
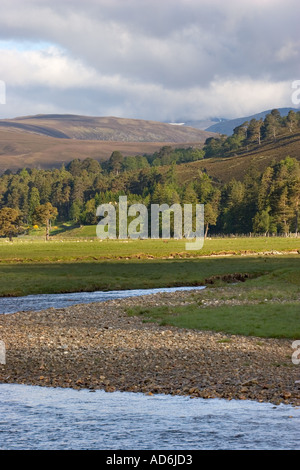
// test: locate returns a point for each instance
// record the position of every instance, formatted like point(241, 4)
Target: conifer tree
point(44, 214)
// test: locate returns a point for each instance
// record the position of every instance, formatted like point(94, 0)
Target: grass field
point(75, 265)
point(261, 320)
point(61, 249)
point(34, 278)
point(267, 304)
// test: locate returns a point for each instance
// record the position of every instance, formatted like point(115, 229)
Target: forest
point(263, 202)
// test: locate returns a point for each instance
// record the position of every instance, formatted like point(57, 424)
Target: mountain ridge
point(48, 141)
point(227, 126)
point(105, 128)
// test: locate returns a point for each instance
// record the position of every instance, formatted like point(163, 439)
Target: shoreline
point(98, 346)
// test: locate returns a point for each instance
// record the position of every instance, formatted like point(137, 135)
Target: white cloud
point(153, 59)
point(49, 68)
point(289, 50)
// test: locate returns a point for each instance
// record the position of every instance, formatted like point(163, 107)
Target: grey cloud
point(174, 47)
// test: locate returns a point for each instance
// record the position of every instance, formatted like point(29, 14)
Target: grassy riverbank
point(211, 343)
point(266, 305)
point(34, 267)
point(54, 277)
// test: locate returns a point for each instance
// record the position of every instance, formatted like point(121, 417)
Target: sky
point(164, 60)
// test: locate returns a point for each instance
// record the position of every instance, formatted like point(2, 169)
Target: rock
point(98, 346)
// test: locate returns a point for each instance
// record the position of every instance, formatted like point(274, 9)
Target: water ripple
point(38, 418)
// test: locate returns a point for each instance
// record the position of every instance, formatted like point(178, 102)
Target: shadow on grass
point(59, 277)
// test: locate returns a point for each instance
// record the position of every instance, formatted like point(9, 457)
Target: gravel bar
point(98, 346)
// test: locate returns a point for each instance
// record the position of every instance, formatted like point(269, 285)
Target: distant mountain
point(67, 126)
point(227, 126)
point(47, 141)
point(198, 124)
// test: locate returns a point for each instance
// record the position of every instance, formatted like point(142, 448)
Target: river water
point(40, 418)
point(43, 301)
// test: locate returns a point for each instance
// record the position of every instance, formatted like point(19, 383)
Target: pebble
point(98, 346)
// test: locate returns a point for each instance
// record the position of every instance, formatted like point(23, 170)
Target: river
point(43, 301)
point(38, 418)
point(42, 418)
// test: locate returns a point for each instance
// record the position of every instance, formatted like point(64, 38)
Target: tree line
point(253, 133)
point(246, 136)
point(266, 202)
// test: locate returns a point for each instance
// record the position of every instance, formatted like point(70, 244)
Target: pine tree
point(234, 210)
point(210, 216)
point(10, 223)
point(262, 221)
point(272, 124)
point(294, 189)
point(265, 188)
point(254, 131)
point(34, 200)
point(204, 187)
point(115, 162)
point(190, 195)
point(44, 214)
point(75, 212)
point(291, 120)
point(284, 211)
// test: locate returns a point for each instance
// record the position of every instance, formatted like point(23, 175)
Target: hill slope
point(227, 126)
point(104, 128)
point(236, 166)
point(47, 141)
point(19, 149)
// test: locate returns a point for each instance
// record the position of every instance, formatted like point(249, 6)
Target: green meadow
point(265, 304)
point(61, 265)
point(261, 320)
point(86, 247)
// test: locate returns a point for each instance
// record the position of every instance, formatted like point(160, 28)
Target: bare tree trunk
point(47, 230)
point(206, 231)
